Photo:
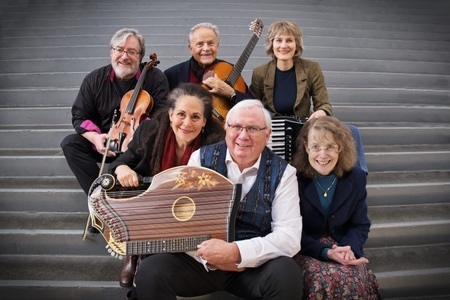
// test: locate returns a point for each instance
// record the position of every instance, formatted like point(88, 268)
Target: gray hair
point(204, 25)
point(120, 37)
point(251, 103)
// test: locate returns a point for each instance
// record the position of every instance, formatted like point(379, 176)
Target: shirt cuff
point(324, 255)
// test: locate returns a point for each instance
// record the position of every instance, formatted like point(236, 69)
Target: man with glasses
point(258, 263)
point(99, 96)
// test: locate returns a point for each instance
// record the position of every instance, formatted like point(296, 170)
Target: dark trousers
point(82, 159)
point(167, 275)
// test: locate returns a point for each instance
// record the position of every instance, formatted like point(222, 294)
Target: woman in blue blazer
point(334, 209)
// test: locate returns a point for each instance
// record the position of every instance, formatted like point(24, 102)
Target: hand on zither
point(126, 176)
point(220, 254)
point(345, 256)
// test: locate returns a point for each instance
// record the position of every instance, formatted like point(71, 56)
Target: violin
point(134, 108)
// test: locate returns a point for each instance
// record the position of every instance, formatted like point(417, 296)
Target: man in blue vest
point(258, 263)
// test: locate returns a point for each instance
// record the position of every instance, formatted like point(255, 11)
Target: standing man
point(203, 43)
point(258, 264)
point(100, 95)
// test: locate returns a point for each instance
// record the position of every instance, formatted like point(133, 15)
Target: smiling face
point(187, 119)
point(245, 146)
point(204, 46)
point(284, 47)
point(126, 65)
point(323, 153)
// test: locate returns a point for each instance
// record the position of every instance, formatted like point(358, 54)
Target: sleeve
point(285, 238)
point(242, 96)
point(256, 86)
point(319, 92)
point(359, 222)
point(84, 109)
point(133, 155)
point(158, 87)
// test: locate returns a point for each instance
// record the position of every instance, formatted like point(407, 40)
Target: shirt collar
point(229, 160)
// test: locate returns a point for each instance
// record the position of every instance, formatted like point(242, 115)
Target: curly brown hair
point(342, 136)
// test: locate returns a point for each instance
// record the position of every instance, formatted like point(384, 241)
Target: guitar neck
point(240, 64)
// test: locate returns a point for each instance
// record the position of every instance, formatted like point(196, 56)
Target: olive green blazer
point(310, 87)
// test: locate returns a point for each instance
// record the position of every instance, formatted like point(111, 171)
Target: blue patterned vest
point(255, 210)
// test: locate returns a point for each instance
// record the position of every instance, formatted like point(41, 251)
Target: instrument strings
point(138, 215)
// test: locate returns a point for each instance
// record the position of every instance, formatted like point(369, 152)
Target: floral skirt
point(330, 280)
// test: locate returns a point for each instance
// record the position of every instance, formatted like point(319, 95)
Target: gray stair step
point(393, 161)
point(347, 113)
point(52, 241)
point(64, 97)
point(258, 57)
point(333, 78)
point(409, 233)
point(372, 134)
point(60, 267)
point(388, 96)
point(405, 258)
point(44, 199)
point(415, 284)
point(240, 32)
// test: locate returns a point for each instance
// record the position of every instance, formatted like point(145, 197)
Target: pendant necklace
point(325, 192)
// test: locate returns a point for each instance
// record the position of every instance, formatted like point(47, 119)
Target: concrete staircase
point(387, 68)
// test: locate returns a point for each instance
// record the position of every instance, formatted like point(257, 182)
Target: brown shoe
point(128, 270)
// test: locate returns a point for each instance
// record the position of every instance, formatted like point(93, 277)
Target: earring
point(203, 129)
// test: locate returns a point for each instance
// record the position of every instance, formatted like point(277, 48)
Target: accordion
point(285, 131)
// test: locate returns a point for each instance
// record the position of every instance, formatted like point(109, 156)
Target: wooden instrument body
point(124, 128)
point(182, 207)
point(232, 74)
point(220, 103)
point(135, 107)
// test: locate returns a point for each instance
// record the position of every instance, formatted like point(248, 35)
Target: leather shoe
point(128, 270)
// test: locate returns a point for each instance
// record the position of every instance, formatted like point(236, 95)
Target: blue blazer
point(347, 222)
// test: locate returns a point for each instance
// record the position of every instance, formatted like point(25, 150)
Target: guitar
point(232, 74)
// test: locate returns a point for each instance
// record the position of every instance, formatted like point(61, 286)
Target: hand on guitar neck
point(224, 79)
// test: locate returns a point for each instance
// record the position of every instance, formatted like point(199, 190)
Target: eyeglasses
point(118, 51)
point(326, 149)
point(251, 130)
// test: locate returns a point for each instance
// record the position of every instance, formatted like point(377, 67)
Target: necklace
point(325, 192)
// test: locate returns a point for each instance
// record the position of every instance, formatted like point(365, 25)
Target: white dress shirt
point(284, 240)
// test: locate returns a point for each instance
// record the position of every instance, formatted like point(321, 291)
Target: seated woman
point(333, 205)
point(167, 141)
point(290, 85)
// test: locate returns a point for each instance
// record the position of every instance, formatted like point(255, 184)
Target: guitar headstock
point(257, 27)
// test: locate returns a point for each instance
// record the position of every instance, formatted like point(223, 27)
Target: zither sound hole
point(183, 209)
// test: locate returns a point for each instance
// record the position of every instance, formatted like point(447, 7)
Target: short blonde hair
point(284, 27)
